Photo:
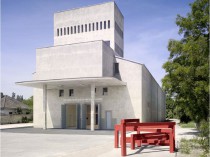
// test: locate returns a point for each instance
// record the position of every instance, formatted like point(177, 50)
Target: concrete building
point(84, 82)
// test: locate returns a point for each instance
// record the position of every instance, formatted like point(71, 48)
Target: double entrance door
point(78, 116)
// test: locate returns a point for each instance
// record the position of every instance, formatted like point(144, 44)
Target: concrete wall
point(141, 98)
point(85, 15)
point(13, 119)
point(153, 98)
point(69, 61)
point(119, 20)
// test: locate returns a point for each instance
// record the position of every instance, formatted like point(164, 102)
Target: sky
point(28, 24)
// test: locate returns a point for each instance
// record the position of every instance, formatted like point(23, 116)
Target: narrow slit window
point(93, 26)
point(75, 29)
point(116, 68)
point(85, 27)
point(108, 24)
point(89, 27)
point(100, 25)
point(78, 29)
point(57, 32)
point(96, 25)
point(64, 31)
point(104, 24)
point(71, 30)
point(81, 28)
point(61, 31)
point(68, 30)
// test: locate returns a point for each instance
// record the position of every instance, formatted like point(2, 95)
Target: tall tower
point(91, 23)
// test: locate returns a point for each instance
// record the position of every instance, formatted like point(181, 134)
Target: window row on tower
point(83, 28)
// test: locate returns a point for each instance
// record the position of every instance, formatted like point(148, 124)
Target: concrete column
point(45, 106)
point(92, 120)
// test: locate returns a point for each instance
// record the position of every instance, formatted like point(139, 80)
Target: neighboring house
point(11, 106)
point(14, 111)
point(84, 82)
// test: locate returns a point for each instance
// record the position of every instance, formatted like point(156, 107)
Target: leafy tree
point(187, 72)
point(13, 95)
point(2, 95)
point(29, 102)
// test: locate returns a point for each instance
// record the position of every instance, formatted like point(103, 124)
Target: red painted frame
point(160, 133)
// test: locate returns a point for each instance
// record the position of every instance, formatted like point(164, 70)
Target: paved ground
point(31, 142)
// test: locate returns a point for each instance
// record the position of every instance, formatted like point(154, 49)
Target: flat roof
point(72, 82)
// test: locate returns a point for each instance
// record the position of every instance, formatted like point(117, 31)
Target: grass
point(187, 125)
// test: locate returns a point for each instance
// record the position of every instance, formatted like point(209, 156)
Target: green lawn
point(187, 125)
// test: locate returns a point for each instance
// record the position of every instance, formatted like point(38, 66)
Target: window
point(100, 25)
point(57, 32)
point(71, 30)
point(89, 27)
point(95, 90)
point(75, 29)
point(85, 27)
point(64, 31)
point(105, 91)
point(78, 29)
point(68, 30)
point(108, 24)
point(96, 25)
point(116, 68)
point(104, 24)
point(61, 93)
point(82, 28)
point(71, 92)
point(10, 112)
point(93, 26)
point(61, 31)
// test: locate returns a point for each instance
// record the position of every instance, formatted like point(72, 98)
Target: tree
point(13, 95)
point(29, 102)
point(186, 80)
point(2, 95)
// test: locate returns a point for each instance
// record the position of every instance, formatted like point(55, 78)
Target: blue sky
point(28, 24)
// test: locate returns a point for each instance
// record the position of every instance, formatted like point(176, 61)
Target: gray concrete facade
point(84, 82)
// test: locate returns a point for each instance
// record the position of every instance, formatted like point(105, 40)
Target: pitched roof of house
point(9, 102)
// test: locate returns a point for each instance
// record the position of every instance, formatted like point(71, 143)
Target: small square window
point(71, 92)
point(105, 91)
point(61, 93)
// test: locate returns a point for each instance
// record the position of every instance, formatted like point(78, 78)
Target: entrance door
point(88, 116)
point(71, 116)
point(108, 119)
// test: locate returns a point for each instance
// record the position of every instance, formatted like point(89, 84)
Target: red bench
point(158, 133)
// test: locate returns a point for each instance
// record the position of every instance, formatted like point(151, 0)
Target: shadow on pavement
point(58, 131)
